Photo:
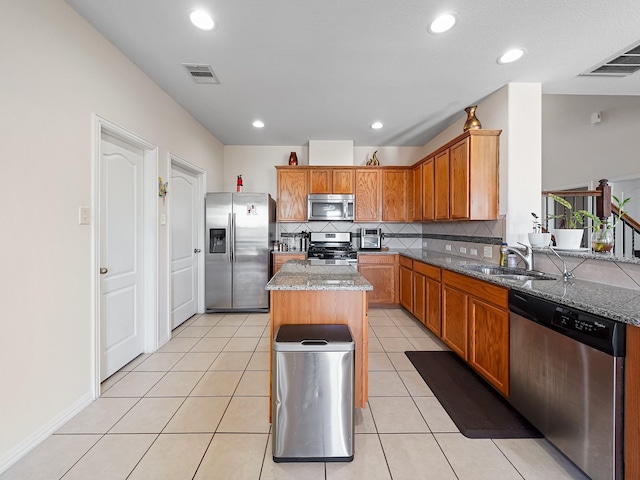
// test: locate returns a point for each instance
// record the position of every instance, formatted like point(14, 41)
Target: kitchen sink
point(506, 273)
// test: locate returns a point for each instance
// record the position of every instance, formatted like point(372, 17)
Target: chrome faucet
point(566, 274)
point(527, 256)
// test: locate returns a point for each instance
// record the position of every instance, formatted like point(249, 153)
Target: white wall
point(514, 109)
point(256, 163)
point(575, 151)
point(57, 71)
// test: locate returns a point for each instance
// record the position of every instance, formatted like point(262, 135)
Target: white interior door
point(121, 254)
point(183, 219)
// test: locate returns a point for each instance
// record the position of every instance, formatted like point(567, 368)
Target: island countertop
point(309, 275)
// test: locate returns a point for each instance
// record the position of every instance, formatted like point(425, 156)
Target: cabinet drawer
point(383, 258)
point(284, 257)
point(487, 291)
point(406, 262)
point(426, 270)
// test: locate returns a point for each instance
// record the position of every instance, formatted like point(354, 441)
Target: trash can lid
point(331, 334)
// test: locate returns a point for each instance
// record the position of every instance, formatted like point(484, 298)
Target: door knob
point(103, 270)
point(196, 250)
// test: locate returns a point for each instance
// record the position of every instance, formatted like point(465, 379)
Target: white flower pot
point(539, 240)
point(568, 239)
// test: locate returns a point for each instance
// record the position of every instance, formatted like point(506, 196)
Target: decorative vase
point(293, 159)
point(539, 240)
point(568, 238)
point(472, 122)
point(602, 240)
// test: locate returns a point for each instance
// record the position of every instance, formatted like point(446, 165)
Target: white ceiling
point(326, 70)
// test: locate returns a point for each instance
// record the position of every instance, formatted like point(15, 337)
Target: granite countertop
point(616, 303)
point(312, 275)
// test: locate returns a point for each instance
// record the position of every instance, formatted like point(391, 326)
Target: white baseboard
point(37, 437)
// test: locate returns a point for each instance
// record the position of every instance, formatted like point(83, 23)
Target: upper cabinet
point(465, 178)
point(331, 180)
point(395, 195)
point(416, 200)
point(368, 199)
point(292, 194)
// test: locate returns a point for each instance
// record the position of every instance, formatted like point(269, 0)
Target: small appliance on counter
point(370, 239)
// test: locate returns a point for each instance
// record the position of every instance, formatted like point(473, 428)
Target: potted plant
point(569, 235)
point(602, 240)
point(538, 238)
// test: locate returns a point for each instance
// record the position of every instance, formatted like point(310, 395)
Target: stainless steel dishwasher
point(566, 378)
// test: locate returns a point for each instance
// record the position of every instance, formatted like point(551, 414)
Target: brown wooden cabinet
point(441, 186)
point(292, 194)
point(395, 198)
point(405, 278)
point(489, 342)
point(331, 180)
point(426, 295)
point(280, 259)
point(459, 180)
point(368, 198)
point(428, 189)
point(342, 180)
point(631, 402)
point(416, 200)
point(475, 325)
point(382, 272)
point(320, 180)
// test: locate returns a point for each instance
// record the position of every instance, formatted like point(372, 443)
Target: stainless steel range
point(332, 246)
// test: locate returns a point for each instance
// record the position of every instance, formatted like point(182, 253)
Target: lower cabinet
point(475, 325)
point(382, 272)
point(280, 259)
point(426, 295)
point(405, 278)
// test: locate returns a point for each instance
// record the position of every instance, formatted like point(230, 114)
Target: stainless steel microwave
point(328, 207)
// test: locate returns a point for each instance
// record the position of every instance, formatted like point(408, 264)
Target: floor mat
point(477, 410)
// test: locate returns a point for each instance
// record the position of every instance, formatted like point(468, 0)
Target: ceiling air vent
point(202, 73)
point(620, 65)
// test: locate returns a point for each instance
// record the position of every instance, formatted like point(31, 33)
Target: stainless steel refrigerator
point(240, 229)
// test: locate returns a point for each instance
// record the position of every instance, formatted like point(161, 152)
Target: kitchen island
point(323, 292)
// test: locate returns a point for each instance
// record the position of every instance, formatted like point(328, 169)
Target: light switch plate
point(447, 248)
point(488, 252)
point(473, 251)
point(163, 219)
point(84, 216)
point(463, 249)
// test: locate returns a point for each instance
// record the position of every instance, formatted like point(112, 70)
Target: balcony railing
point(598, 202)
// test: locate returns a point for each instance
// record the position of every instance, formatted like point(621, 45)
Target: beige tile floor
point(197, 409)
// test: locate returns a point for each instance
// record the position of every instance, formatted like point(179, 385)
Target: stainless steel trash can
point(313, 393)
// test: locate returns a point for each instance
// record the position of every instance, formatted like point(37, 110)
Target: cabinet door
point(432, 306)
point(428, 190)
point(417, 194)
point(489, 343)
point(342, 180)
point(406, 288)
point(459, 180)
point(280, 259)
point(320, 180)
point(441, 186)
point(395, 206)
point(368, 205)
point(454, 320)
point(292, 195)
point(382, 272)
point(419, 295)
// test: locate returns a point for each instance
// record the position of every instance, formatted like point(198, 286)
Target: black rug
point(477, 410)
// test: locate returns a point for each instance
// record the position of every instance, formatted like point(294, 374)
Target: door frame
point(174, 160)
point(103, 126)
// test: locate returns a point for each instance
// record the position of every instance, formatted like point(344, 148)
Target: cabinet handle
point(196, 250)
point(103, 270)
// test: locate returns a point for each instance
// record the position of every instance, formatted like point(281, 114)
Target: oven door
point(330, 207)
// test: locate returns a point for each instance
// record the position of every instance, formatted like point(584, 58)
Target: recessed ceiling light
point(202, 20)
point(258, 124)
point(376, 125)
point(443, 23)
point(511, 55)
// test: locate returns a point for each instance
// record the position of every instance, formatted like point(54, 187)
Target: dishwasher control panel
point(570, 320)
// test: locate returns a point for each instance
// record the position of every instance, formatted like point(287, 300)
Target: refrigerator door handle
point(230, 237)
point(233, 237)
